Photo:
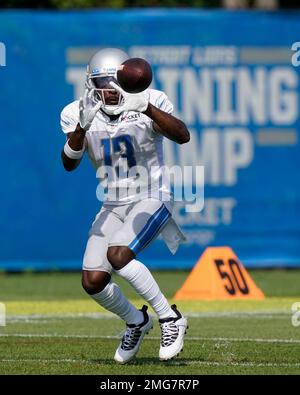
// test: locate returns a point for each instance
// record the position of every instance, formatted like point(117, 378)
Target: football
point(134, 75)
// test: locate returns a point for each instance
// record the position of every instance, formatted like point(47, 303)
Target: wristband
point(71, 153)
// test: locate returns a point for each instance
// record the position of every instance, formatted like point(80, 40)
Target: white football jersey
point(127, 152)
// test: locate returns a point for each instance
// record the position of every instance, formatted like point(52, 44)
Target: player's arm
point(164, 123)
point(167, 125)
point(75, 146)
point(76, 142)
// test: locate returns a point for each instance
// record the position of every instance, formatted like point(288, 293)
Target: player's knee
point(119, 256)
point(94, 282)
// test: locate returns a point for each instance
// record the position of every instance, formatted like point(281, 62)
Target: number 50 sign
point(219, 274)
point(234, 280)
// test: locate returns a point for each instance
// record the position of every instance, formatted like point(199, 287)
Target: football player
point(120, 130)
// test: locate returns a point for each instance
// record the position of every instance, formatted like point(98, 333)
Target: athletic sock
point(140, 278)
point(112, 299)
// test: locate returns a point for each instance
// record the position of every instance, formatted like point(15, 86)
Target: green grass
point(54, 328)
point(55, 286)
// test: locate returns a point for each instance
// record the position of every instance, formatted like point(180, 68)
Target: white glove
point(87, 111)
point(132, 101)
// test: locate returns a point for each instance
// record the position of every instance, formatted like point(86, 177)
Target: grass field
point(54, 328)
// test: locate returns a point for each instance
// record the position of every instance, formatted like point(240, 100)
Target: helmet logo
point(105, 71)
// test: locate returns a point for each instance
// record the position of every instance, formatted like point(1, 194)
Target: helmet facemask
point(101, 70)
point(100, 85)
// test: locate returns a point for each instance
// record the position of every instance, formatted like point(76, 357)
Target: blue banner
point(233, 77)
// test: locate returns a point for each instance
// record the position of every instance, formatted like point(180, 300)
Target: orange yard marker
point(218, 274)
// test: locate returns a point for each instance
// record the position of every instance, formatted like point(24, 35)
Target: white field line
point(180, 363)
point(242, 314)
point(192, 338)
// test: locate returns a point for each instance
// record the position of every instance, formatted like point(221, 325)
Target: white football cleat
point(173, 330)
point(132, 338)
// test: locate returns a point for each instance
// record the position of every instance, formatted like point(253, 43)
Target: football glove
point(132, 101)
point(87, 111)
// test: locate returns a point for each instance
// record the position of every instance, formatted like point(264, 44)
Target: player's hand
point(132, 101)
point(87, 110)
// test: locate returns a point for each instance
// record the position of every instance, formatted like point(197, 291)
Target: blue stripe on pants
point(146, 227)
point(152, 227)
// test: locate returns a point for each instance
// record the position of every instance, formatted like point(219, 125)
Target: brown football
point(135, 75)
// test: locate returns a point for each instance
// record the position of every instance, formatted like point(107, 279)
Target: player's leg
point(142, 225)
point(96, 280)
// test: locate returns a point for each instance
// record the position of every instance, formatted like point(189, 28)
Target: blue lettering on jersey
point(118, 143)
point(129, 151)
point(106, 152)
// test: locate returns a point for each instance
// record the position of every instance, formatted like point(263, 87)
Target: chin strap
point(109, 110)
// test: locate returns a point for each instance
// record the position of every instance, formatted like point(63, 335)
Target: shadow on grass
point(144, 361)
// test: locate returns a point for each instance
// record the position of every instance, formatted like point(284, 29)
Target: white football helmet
point(101, 69)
